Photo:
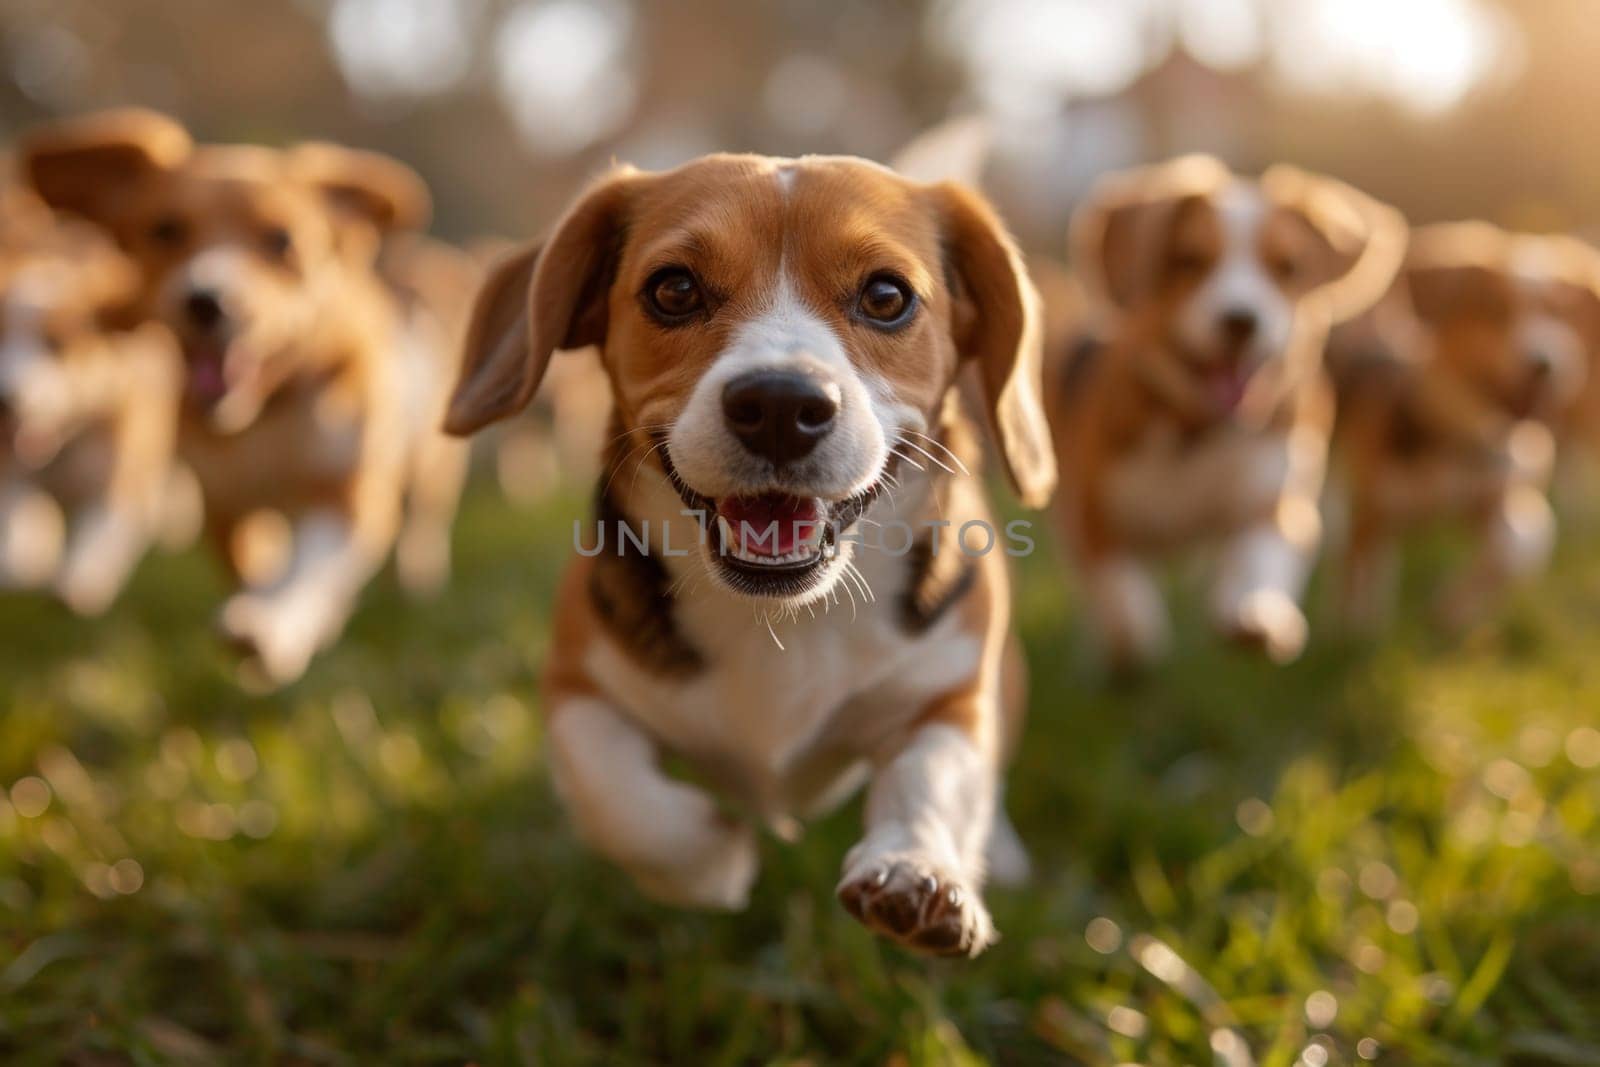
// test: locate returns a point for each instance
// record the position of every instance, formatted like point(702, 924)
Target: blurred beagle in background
point(88, 410)
point(298, 395)
point(1482, 351)
point(433, 284)
point(781, 338)
point(1199, 412)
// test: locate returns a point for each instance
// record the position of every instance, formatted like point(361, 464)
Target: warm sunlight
point(1426, 54)
point(1423, 54)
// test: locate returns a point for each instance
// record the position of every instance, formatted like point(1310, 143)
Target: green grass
point(370, 867)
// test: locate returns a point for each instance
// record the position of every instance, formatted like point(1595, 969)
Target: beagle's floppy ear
point(1574, 264)
point(997, 323)
point(536, 301)
point(378, 190)
point(1439, 291)
point(85, 165)
point(1364, 240)
point(1453, 265)
point(1116, 232)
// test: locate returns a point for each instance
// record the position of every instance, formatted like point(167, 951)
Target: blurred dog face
point(1220, 269)
point(60, 284)
point(1515, 317)
point(244, 252)
point(777, 329)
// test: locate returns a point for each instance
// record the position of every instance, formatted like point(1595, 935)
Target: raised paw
point(1270, 622)
point(920, 906)
point(273, 650)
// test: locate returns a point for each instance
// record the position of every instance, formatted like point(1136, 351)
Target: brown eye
point(169, 231)
point(886, 300)
point(673, 295)
point(276, 242)
point(1188, 264)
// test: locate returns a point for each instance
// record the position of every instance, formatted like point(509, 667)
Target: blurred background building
point(1447, 108)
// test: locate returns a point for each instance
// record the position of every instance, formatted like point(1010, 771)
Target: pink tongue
point(752, 517)
point(1227, 388)
point(206, 381)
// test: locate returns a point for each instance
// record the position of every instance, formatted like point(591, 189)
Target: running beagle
point(1201, 413)
point(88, 410)
point(1452, 404)
point(308, 391)
point(795, 586)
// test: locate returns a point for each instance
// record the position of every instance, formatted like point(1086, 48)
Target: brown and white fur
point(1201, 415)
point(1482, 352)
point(87, 410)
point(296, 401)
point(784, 686)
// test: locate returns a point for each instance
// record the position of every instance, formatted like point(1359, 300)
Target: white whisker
point(642, 461)
point(774, 634)
point(935, 460)
point(942, 447)
point(861, 582)
point(617, 468)
point(908, 459)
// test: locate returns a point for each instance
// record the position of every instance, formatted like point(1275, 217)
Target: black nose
point(204, 308)
point(778, 414)
point(1540, 364)
point(1239, 325)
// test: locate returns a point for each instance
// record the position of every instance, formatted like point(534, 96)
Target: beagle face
point(1516, 318)
point(774, 331)
point(235, 263)
point(785, 368)
point(1221, 269)
point(243, 251)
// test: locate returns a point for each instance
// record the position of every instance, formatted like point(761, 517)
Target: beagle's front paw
point(918, 903)
point(275, 647)
point(1270, 621)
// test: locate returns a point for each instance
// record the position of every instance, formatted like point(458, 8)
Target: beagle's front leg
point(917, 876)
point(30, 535)
point(1263, 573)
point(669, 836)
point(282, 626)
point(107, 535)
point(1268, 556)
point(104, 543)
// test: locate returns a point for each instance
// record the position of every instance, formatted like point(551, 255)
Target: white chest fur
point(1168, 491)
point(779, 726)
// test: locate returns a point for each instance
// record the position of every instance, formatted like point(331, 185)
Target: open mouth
point(216, 367)
point(773, 543)
point(206, 373)
point(1225, 382)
